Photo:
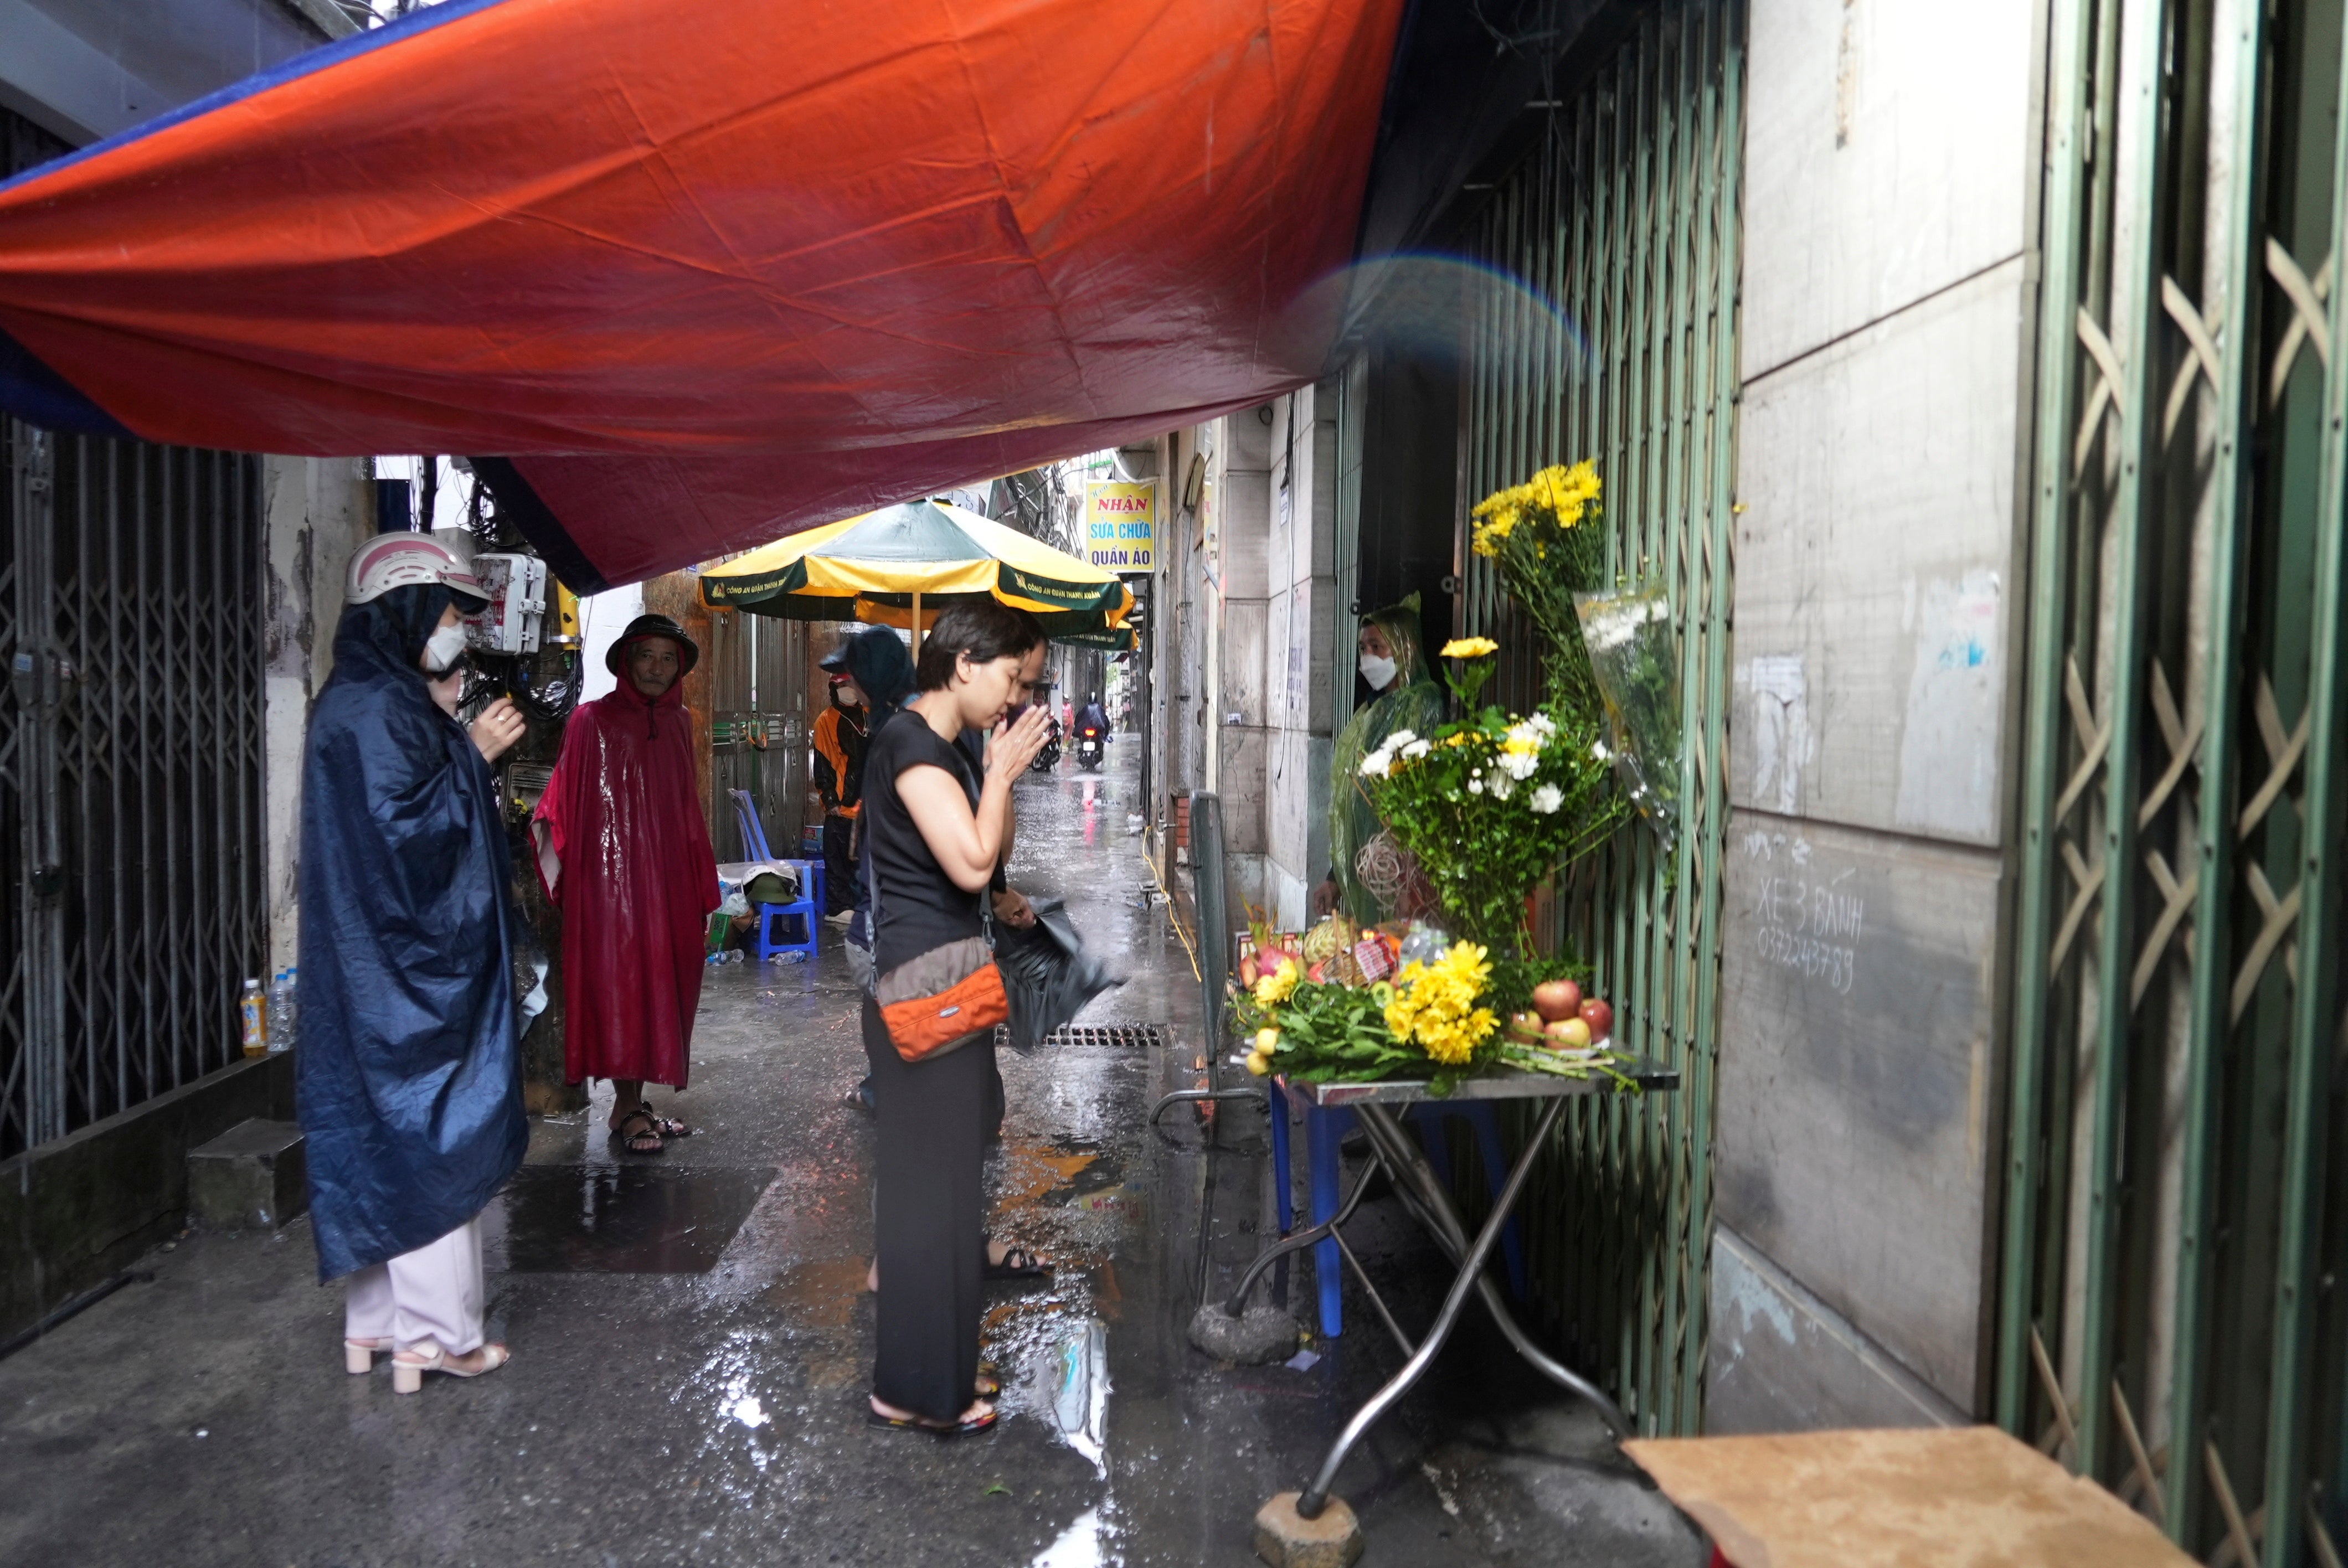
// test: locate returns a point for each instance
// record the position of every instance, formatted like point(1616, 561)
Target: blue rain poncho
point(410, 1081)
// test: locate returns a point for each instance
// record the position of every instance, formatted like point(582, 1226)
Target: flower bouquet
point(1634, 658)
point(1543, 538)
point(1490, 804)
point(1437, 1019)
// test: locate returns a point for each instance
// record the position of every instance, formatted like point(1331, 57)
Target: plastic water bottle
point(281, 1012)
point(256, 1021)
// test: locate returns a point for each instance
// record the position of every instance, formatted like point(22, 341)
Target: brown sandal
point(635, 1142)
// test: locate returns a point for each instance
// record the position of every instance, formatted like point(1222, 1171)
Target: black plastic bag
point(1047, 972)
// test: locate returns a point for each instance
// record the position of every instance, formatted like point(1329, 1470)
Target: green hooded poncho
point(1413, 702)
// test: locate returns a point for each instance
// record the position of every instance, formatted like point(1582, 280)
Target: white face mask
point(1378, 672)
point(442, 648)
point(849, 695)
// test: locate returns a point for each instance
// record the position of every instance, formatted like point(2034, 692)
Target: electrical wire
point(1174, 918)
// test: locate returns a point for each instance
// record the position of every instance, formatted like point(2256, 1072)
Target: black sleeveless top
point(921, 908)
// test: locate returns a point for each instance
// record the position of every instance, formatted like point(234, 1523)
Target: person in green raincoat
point(1394, 664)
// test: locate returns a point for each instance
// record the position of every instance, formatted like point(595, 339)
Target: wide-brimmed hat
point(688, 654)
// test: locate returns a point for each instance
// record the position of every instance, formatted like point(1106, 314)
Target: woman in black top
point(937, 832)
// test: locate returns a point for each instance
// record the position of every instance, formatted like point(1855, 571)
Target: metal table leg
point(1429, 1200)
point(1301, 1239)
point(1316, 1496)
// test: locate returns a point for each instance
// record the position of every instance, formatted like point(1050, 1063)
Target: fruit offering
point(1600, 1016)
point(1556, 1000)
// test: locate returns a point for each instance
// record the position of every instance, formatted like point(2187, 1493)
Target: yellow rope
point(1174, 917)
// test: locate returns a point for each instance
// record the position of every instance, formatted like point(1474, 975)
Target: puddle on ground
point(819, 1294)
point(1065, 1384)
point(626, 1219)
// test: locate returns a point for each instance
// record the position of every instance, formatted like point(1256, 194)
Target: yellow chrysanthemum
point(1470, 648)
point(1273, 989)
point(1435, 1005)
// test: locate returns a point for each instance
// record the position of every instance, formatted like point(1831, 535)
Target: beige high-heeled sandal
point(407, 1377)
point(358, 1355)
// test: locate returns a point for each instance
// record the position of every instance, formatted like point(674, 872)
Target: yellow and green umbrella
point(901, 562)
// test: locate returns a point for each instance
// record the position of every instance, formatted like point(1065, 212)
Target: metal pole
point(2209, 1019)
point(2070, 30)
point(2309, 1083)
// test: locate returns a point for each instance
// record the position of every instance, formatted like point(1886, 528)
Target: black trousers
point(930, 1126)
point(838, 864)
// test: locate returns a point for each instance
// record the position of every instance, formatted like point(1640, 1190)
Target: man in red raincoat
point(633, 873)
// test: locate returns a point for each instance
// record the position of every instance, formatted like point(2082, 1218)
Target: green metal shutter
point(1621, 347)
point(2170, 1320)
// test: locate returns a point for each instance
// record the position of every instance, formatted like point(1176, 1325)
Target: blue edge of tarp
point(38, 395)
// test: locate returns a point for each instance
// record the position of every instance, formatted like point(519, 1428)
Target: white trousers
point(433, 1293)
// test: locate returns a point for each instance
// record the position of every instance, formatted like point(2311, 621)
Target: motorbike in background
point(1049, 757)
point(1090, 748)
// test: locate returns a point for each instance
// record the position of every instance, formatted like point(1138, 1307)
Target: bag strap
point(872, 880)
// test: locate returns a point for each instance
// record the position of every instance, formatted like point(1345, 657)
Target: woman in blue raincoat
point(409, 1079)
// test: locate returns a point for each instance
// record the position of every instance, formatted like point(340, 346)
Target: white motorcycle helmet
point(409, 560)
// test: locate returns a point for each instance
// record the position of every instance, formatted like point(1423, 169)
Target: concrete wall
point(319, 509)
point(1887, 298)
point(1300, 566)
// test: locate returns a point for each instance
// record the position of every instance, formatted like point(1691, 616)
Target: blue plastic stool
point(1325, 1126)
point(807, 909)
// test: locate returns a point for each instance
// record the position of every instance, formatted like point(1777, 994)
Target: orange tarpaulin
point(709, 272)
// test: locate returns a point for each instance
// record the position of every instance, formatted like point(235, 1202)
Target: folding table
point(1428, 1199)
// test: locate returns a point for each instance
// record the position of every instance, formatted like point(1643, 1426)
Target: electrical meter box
point(517, 586)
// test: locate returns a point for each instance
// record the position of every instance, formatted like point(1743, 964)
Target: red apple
point(1599, 1016)
point(1557, 1000)
point(1525, 1026)
point(1567, 1034)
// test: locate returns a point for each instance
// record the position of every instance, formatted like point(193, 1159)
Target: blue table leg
point(1284, 1186)
point(1323, 1126)
point(1434, 1137)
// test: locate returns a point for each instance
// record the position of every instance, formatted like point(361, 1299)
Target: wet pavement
point(692, 1338)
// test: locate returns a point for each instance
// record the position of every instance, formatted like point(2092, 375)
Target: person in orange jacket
point(841, 734)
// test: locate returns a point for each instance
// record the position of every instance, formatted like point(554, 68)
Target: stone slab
point(1888, 154)
point(1778, 1359)
point(1876, 572)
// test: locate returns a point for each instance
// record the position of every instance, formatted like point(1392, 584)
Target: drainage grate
point(1114, 1036)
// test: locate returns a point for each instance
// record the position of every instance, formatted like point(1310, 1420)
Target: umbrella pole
point(917, 626)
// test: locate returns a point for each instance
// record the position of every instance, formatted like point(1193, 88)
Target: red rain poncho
point(636, 882)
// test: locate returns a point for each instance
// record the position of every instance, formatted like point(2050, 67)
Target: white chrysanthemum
point(1474, 786)
point(1416, 750)
point(1542, 722)
point(1377, 763)
point(1396, 741)
point(1547, 798)
point(1519, 764)
point(1528, 733)
point(1503, 787)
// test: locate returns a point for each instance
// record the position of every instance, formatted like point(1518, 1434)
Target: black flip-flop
point(873, 1418)
point(1018, 1263)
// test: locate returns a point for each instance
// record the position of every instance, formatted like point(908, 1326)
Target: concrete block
point(253, 1174)
point(1256, 1337)
point(1287, 1539)
point(79, 1207)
